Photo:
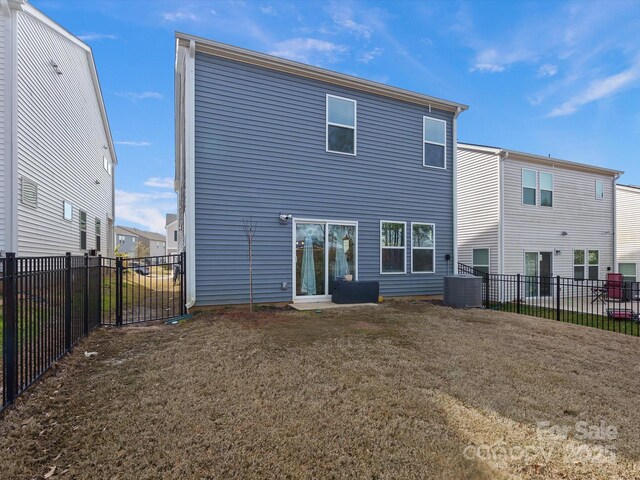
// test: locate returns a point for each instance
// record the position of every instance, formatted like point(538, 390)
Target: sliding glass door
point(324, 252)
point(538, 270)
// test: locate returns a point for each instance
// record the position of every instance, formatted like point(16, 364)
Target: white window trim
point(64, 204)
point(553, 188)
point(596, 192)
point(433, 226)
point(424, 142)
point(473, 265)
point(404, 270)
point(629, 263)
point(522, 187)
point(583, 265)
point(588, 265)
point(295, 222)
point(354, 127)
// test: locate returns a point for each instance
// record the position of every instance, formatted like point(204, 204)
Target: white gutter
point(189, 165)
point(455, 190)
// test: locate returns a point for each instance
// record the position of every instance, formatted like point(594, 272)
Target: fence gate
point(50, 303)
point(138, 290)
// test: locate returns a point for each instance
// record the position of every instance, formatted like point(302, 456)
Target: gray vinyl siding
point(628, 225)
point(478, 205)
point(126, 243)
point(589, 222)
point(61, 143)
point(260, 151)
point(5, 144)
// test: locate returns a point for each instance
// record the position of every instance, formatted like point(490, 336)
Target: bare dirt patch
point(396, 392)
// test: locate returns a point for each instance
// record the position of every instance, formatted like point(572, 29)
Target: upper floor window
point(434, 143)
point(599, 189)
point(529, 187)
point(341, 125)
point(67, 210)
point(108, 166)
point(546, 189)
point(392, 247)
point(175, 235)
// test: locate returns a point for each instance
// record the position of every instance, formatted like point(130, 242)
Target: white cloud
point(267, 9)
point(547, 70)
point(132, 143)
point(599, 89)
point(159, 182)
point(487, 67)
point(371, 55)
point(134, 96)
point(343, 17)
point(492, 60)
point(96, 36)
point(309, 50)
point(145, 209)
point(179, 16)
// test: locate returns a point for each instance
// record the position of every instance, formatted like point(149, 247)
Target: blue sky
point(558, 78)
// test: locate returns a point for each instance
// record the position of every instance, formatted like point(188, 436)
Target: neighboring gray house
point(128, 238)
point(342, 176)
point(535, 215)
point(628, 231)
point(171, 229)
point(57, 159)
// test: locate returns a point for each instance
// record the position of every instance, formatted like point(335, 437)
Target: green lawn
point(578, 318)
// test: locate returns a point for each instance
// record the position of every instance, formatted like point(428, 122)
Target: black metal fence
point(611, 304)
point(50, 303)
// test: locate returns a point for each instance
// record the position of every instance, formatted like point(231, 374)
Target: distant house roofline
point(539, 158)
point(136, 232)
point(271, 62)
point(630, 187)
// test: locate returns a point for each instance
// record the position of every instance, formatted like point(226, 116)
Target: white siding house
point(57, 159)
point(171, 228)
point(628, 230)
point(534, 215)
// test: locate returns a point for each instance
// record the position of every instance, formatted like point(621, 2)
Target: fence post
point(85, 295)
point(99, 302)
point(9, 350)
point(486, 290)
point(119, 271)
point(558, 297)
point(183, 288)
point(518, 296)
point(67, 302)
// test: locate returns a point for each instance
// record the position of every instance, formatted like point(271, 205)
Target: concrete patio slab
point(326, 305)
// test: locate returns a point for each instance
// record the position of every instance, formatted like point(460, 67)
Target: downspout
point(502, 156)
point(454, 170)
point(615, 224)
point(189, 163)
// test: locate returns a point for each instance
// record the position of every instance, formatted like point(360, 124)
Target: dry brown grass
point(396, 391)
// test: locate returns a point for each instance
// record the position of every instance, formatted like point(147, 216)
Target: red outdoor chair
point(614, 286)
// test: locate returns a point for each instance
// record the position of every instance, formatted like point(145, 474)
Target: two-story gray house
point(129, 239)
point(341, 176)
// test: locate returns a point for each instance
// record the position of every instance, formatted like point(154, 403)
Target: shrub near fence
point(50, 303)
point(608, 305)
